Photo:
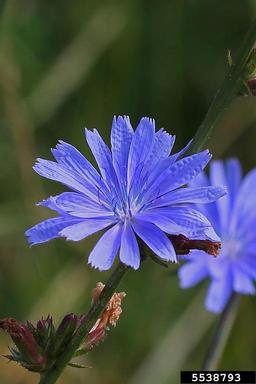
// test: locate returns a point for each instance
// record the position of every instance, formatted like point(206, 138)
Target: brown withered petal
point(113, 309)
point(109, 316)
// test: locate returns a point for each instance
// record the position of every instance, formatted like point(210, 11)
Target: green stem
point(221, 334)
point(226, 93)
point(93, 314)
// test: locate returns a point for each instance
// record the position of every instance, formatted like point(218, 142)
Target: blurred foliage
point(67, 65)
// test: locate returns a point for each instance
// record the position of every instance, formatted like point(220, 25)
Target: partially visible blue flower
point(234, 218)
point(137, 192)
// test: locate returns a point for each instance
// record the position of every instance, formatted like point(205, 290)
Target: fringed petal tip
point(147, 120)
point(32, 238)
point(106, 268)
point(47, 203)
point(37, 164)
point(135, 267)
point(98, 268)
point(119, 119)
point(213, 308)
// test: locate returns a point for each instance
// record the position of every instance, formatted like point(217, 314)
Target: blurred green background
point(66, 65)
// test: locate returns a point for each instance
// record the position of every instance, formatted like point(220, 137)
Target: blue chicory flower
point(137, 193)
point(234, 218)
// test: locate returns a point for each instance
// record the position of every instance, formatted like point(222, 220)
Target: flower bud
point(65, 331)
point(45, 329)
point(29, 352)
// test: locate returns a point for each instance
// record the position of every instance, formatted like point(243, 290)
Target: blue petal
point(218, 267)
point(178, 174)
point(162, 165)
point(244, 208)
point(183, 171)
point(148, 180)
point(163, 222)
point(218, 294)
point(104, 252)
point(141, 147)
point(179, 154)
point(196, 195)
point(249, 247)
point(163, 143)
point(121, 138)
point(86, 228)
point(191, 273)
point(71, 159)
point(156, 240)
point(209, 210)
point(248, 264)
point(158, 168)
point(218, 177)
point(200, 180)
point(248, 184)
point(50, 204)
point(193, 222)
point(60, 173)
point(76, 204)
point(129, 251)
point(102, 155)
point(48, 229)
point(234, 176)
point(242, 283)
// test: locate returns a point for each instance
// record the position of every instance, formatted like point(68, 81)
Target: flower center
point(126, 211)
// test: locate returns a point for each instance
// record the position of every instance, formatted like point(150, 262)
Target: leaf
point(76, 365)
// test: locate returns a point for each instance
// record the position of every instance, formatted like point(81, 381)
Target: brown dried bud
point(183, 245)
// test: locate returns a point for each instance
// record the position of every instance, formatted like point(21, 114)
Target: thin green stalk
point(226, 92)
point(221, 334)
point(52, 376)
